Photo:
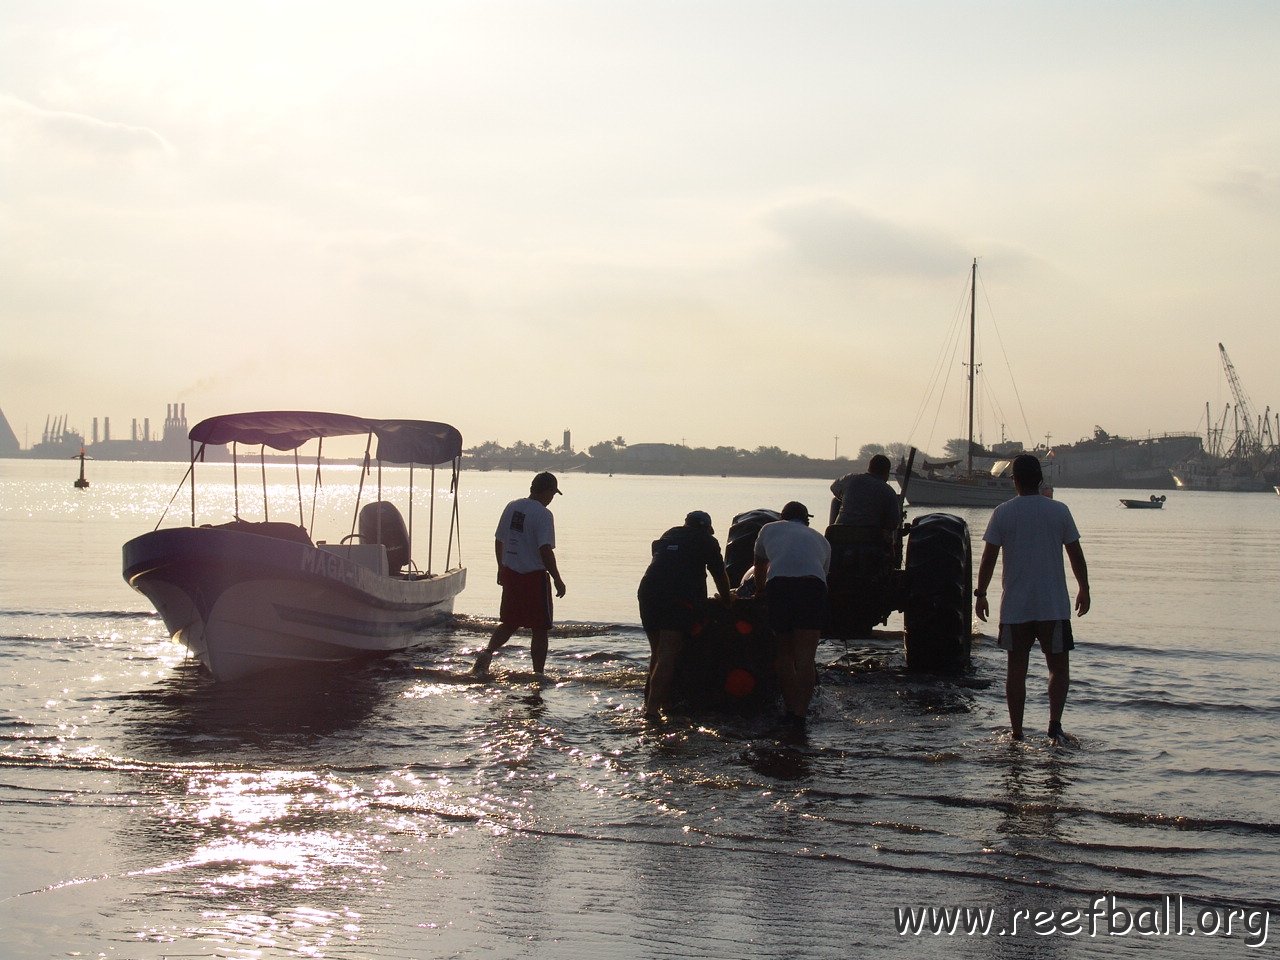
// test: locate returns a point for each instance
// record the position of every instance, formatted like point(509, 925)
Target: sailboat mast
point(973, 308)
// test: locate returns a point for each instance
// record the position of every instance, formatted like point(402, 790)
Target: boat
point(1220, 475)
point(1109, 461)
point(1248, 462)
point(946, 484)
point(1153, 503)
point(250, 596)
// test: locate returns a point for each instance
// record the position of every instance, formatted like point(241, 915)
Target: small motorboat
point(247, 596)
point(1152, 503)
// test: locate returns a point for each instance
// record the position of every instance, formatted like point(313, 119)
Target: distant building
point(59, 440)
point(651, 452)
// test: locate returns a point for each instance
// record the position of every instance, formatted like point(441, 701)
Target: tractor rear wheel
point(938, 614)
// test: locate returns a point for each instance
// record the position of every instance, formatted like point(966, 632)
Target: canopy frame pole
point(411, 563)
point(192, 468)
point(235, 480)
point(360, 491)
point(315, 487)
point(297, 474)
point(262, 457)
point(454, 521)
point(431, 527)
point(191, 472)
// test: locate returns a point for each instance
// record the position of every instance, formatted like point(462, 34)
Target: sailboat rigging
point(967, 489)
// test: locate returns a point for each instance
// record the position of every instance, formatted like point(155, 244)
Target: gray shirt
point(867, 501)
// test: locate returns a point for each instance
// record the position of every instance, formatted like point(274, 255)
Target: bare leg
point(1059, 683)
point(653, 662)
point(500, 637)
point(794, 663)
point(1015, 686)
point(662, 679)
point(538, 649)
point(805, 651)
point(785, 665)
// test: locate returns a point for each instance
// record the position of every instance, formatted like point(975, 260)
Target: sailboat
point(945, 485)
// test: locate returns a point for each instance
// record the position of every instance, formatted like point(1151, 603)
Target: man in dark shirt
point(669, 593)
point(867, 500)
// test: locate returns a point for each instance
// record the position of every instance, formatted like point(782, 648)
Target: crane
point(1248, 436)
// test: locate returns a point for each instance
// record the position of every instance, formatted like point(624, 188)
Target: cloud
point(830, 235)
point(77, 134)
point(1251, 187)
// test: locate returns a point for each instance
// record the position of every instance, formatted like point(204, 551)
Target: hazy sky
point(742, 223)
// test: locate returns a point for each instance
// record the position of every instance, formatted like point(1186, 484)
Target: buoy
point(82, 483)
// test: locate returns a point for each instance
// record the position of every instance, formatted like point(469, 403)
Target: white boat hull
point(975, 492)
point(243, 603)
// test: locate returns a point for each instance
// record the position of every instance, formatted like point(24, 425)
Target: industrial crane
point(1250, 429)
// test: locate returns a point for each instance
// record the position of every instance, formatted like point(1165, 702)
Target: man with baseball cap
point(792, 560)
point(524, 544)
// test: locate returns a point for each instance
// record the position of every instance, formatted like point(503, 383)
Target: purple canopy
point(399, 441)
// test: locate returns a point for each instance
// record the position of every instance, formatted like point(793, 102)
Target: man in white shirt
point(1033, 531)
point(791, 562)
point(524, 544)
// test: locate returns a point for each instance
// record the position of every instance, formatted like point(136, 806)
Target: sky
point(733, 223)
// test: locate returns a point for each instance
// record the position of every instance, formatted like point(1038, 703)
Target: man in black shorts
point(669, 593)
point(792, 562)
point(1033, 531)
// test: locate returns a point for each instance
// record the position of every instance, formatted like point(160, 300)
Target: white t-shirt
point(1031, 532)
point(526, 526)
point(793, 550)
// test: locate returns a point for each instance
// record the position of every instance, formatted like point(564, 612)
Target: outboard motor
point(381, 522)
point(739, 549)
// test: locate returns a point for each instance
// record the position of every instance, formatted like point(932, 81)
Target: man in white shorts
point(1033, 530)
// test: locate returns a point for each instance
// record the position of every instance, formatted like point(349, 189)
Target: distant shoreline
point(557, 463)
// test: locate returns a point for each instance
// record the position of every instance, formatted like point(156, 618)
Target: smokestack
point(106, 429)
point(133, 433)
point(146, 429)
point(184, 413)
point(95, 430)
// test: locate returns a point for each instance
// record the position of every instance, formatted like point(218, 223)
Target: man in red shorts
point(525, 544)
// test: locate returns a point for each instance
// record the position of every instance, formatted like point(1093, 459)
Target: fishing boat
point(248, 596)
point(946, 484)
point(1153, 503)
point(1243, 460)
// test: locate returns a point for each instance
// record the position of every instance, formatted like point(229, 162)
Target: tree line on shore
point(617, 456)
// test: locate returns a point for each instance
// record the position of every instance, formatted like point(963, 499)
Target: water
point(401, 810)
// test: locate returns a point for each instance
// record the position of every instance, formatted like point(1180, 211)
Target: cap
point(795, 510)
point(544, 481)
point(698, 518)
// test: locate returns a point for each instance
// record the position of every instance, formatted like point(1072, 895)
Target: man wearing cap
point(1033, 531)
point(792, 561)
point(669, 593)
point(525, 544)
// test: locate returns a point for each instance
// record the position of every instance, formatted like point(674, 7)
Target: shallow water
point(399, 809)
